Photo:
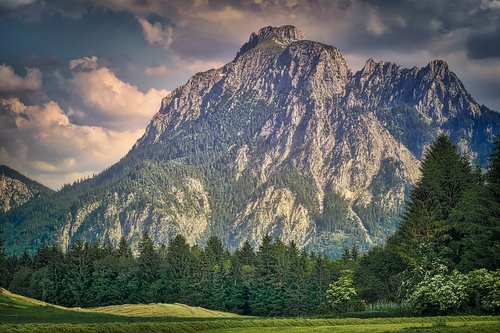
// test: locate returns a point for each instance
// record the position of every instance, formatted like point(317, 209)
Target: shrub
point(439, 294)
point(483, 288)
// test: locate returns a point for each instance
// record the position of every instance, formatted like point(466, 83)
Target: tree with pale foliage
point(341, 295)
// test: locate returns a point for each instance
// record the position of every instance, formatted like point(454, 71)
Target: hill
point(18, 309)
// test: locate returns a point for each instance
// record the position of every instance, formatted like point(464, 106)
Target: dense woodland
point(443, 259)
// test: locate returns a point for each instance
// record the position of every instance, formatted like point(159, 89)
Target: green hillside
point(18, 309)
point(162, 310)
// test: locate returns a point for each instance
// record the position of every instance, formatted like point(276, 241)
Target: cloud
point(84, 64)
point(484, 45)
point(96, 96)
point(12, 4)
point(10, 82)
point(42, 142)
point(155, 33)
point(374, 24)
point(156, 70)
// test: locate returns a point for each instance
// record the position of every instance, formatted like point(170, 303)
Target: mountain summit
point(284, 140)
point(280, 35)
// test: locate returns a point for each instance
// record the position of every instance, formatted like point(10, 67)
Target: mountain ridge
point(17, 189)
point(284, 140)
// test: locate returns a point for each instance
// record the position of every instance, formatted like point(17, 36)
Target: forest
point(443, 259)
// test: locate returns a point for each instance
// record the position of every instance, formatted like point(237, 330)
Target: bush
point(483, 288)
point(439, 294)
point(341, 295)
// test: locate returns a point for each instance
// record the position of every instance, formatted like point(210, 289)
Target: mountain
point(16, 189)
point(284, 140)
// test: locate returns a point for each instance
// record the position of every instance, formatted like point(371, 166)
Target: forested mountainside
point(16, 189)
point(284, 140)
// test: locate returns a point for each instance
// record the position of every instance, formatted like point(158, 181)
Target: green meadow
point(23, 314)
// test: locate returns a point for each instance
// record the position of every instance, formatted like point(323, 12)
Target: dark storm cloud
point(367, 24)
point(485, 45)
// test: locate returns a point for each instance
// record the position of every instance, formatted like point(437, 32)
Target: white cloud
point(105, 100)
point(85, 63)
point(156, 70)
point(104, 118)
point(196, 65)
point(11, 82)
point(155, 33)
point(41, 141)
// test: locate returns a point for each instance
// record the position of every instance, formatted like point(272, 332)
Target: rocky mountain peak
point(285, 33)
point(438, 67)
point(283, 36)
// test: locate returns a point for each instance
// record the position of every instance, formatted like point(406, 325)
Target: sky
point(81, 79)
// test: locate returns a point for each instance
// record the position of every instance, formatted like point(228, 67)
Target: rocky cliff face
point(16, 189)
point(284, 140)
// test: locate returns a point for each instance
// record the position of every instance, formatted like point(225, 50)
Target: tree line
point(443, 259)
point(277, 279)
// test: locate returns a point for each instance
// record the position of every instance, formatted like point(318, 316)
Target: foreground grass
point(21, 314)
point(424, 324)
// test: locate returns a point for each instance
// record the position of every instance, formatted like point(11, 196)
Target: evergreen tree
point(241, 279)
point(214, 271)
point(262, 291)
point(296, 283)
point(180, 272)
point(147, 272)
point(3, 263)
point(476, 220)
point(445, 176)
point(77, 276)
point(493, 200)
point(124, 249)
point(378, 277)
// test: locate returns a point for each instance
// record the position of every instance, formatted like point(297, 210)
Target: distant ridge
point(17, 189)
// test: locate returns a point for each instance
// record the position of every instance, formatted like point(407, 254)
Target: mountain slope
point(16, 189)
point(284, 140)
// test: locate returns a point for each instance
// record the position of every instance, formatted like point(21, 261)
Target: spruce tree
point(148, 265)
point(262, 291)
point(493, 198)
point(181, 272)
point(445, 176)
point(476, 220)
point(3, 263)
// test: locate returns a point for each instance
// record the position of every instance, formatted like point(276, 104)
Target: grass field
point(22, 314)
point(162, 310)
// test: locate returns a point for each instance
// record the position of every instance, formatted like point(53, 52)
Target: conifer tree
point(3, 263)
point(147, 269)
point(180, 271)
point(262, 292)
point(445, 176)
point(476, 220)
point(77, 278)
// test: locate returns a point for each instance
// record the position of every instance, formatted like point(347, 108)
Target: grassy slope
point(18, 309)
point(162, 310)
point(23, 314)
